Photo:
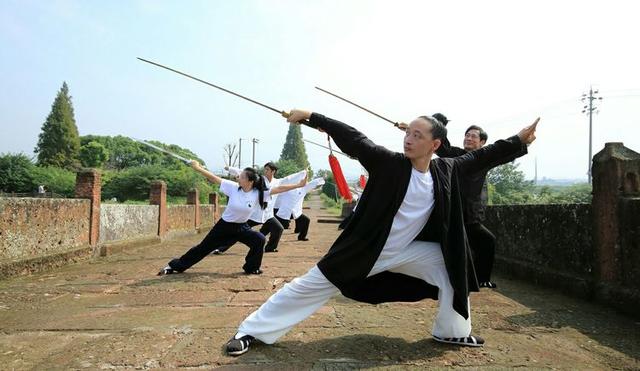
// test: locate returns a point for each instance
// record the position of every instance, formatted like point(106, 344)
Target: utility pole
point(589, 109)
point(254, 141)
point(240, 153)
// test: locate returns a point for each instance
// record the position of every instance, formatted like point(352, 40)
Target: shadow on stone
point(555, 311)
point(346, 352)
point(186, 278)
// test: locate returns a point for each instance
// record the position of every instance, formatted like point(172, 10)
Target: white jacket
point(290, 203)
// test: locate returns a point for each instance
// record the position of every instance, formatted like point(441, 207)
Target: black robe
point(473, 185)
point(355, 251)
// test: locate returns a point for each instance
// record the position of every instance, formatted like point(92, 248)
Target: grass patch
point(333, 207)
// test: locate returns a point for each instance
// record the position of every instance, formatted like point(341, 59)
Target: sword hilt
point(286, 115)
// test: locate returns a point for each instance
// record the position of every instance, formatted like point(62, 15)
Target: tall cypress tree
point(59, 142)
point(293, 149)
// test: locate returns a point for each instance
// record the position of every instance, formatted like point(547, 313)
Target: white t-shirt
point(260, 215)
point(291, 203)
point(241, 204)
point(413, 213)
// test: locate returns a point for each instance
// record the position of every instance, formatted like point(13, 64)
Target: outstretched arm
point(233, 171)
point(447, 150)
point(207, 174)
point(293, 177)
point(288, 187)
point(499, 152)
point(349, 140)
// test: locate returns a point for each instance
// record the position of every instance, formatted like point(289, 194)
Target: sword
point(183, 159)
point(331, 149)
point(284, 114)
point(396, 124)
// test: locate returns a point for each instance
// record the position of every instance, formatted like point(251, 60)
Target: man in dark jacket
point(406, 241)
point(473, 187)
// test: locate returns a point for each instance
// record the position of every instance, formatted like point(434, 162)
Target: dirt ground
point(115, 313)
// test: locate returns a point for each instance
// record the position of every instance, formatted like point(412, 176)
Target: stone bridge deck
point(114, 313)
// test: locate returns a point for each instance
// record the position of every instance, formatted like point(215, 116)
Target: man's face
point(268, 172)
point(472, 140)
point(418, 141)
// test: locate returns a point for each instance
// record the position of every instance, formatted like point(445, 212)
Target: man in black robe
point(473, 190)
point(406, 241)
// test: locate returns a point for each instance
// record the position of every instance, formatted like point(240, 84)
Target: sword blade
point(185, 160)
point(357, 105)
point(331, 149)
point(213, 85)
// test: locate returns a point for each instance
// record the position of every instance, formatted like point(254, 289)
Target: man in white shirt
point(406, 241)
point(291, 206)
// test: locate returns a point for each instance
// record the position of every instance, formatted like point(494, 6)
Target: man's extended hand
point(297, 115)
point(195, 165)
point(528, 134)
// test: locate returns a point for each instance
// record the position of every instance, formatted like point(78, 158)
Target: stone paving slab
point(115, 313)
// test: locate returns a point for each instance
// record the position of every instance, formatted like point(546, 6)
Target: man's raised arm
point(349, 140)
point(500, 152)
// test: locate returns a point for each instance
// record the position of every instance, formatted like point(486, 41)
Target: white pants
point(304, 295)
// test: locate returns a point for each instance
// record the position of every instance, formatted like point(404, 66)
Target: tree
point(287, 167)
point(59, 181)
point(329, 187)
point(134, 183)
point(59, 142)
point(125, 152)
point(93, 154)
point(230, 154)
point(508, 185)
point(294, 147)
point(15, 173)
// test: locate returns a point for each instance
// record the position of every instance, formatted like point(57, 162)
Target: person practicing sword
point(406, 241)
point(291, 207)
point(473, 190)
point(248, 194)
point(271, 226)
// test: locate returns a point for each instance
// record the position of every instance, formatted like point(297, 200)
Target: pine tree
point(293, 149)
point(59, 142)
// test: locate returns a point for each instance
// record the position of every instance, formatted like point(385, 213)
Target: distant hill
point(559, 182)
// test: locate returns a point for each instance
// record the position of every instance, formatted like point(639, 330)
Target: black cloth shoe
point(469, 341)
point(217, 252)
point(236, 347)
point(303, 239)
point(274, 250)
point(166, 270)
point(257, 271)
point(488, 284)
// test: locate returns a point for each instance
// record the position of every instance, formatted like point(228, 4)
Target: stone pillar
point(616, 174)
point(158, 196)
point(88, 186)
point(193, 198)
point(214, 199)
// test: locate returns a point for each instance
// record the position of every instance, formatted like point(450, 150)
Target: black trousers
point(483, 245)
point(273, 228)
point(284, 222)
point(302, 225)
point(225, 234)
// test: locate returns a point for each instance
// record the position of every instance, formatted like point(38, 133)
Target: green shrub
point(55, 179)
point(15, 173)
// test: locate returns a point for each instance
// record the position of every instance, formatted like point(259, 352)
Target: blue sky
point(498, 64)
